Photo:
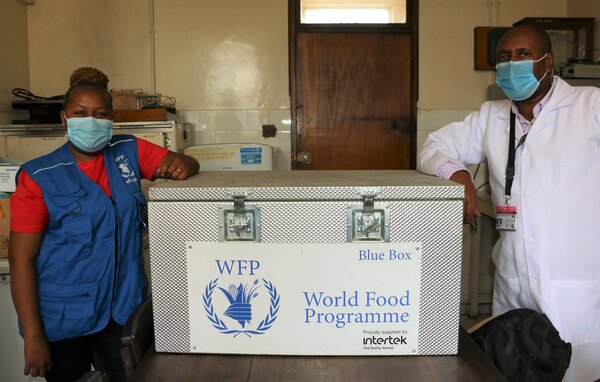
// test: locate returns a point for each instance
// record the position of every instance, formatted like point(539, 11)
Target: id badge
point(506, 218)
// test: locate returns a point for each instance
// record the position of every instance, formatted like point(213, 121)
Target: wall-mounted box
point(485, 45)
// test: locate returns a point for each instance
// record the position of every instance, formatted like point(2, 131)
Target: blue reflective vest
point(90, 265)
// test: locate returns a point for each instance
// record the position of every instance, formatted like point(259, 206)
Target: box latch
point(369, 222)
point(242, 222)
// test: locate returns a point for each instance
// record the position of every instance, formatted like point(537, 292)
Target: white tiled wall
point(245, 126)
point(242, 126)
point(429, 121)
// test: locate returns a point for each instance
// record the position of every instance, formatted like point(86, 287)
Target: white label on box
point(304, 299)
point(7, 178)
point(251, 155)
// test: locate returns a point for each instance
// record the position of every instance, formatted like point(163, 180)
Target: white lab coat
point(551, 263)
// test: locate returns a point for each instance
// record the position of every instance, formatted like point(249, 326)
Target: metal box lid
point(308, 185)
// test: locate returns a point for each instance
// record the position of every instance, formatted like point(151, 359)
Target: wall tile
point(285, 140)
point(434, 119)
point(257, 118)
point(237, 137)
point(196, 138)
point(281, 118)
point(421, 137)
point(282, 161)
point(462, 114)
point(197, 118)
point(241, 126)
point(274, 142)
point(228, 120)
point(182, 115)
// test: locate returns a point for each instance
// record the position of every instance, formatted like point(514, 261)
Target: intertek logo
point(384, 339)
point(389, 340)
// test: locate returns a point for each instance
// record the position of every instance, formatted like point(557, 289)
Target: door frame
point(410, 27)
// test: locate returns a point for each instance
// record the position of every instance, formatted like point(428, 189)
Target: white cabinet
point(11, 348)
point(25, 142)
point(24, 148)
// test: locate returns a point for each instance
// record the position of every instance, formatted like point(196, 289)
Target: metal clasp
point(242, 222)
point(369, 223)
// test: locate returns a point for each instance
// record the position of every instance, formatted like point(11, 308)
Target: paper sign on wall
point(304, 299)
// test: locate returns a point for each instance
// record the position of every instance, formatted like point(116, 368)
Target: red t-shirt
point(28, 212)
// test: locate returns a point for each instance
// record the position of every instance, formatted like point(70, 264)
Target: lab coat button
point(529, 239)
point(533, 282)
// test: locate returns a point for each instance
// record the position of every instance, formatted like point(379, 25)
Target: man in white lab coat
point(547, 196)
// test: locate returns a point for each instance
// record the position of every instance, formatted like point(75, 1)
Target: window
point(352, 12)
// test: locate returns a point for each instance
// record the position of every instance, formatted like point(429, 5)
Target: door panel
point(353, 100)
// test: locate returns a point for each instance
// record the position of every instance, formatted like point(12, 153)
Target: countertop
point(470, 364)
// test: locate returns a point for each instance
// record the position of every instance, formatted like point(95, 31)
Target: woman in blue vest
point(76, 239)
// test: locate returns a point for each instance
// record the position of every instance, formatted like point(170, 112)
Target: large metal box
point(309, 207)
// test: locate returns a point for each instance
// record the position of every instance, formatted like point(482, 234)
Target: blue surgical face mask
point(89, 134)
point(516, 78)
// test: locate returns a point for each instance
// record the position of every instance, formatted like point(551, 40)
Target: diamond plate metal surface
point(308, 185)
point(308, 193)
point(437, 224)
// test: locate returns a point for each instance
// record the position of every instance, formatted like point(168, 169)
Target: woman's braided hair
point(88, 74)
point(87, 77)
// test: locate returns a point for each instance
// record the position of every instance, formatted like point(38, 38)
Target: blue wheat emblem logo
point(240, 307)
point(239, 298)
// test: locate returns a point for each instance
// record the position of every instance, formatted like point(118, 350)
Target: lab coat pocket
point(67, 310)
point(506, 294)
point(576, 306)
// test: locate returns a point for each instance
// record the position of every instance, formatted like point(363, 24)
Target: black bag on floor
point(524, 346)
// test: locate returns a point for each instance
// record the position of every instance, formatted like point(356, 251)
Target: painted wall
point(14, 60)
point(111, 35)
point(228, 54)
point(233, 54)
point(446, 76)
point(449, 87)
point(226, 62)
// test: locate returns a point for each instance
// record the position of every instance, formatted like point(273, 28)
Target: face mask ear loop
point(544, 56)
point(544, 76)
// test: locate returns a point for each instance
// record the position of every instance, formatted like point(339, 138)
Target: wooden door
point(353, 97)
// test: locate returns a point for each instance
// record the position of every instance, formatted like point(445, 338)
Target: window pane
point(352, 12)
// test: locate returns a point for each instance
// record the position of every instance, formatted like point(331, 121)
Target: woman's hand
point(471, 206)
point(22, 252)
point(37, 357)
point(177, 166)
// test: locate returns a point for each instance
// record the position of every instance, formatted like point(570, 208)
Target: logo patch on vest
point(125, 168)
